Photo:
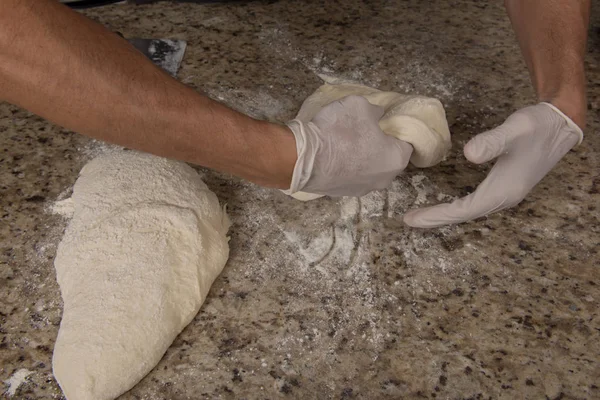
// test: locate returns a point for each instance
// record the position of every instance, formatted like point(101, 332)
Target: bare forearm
point(72, 71)
point(552, 36)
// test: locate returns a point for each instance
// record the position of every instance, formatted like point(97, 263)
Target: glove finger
point(439, 215)
point(493, 143)
point(461, 210)
point(487, 146)
point(484, 201)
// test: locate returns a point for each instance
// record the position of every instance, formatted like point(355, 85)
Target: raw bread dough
point(420, 121)
point(146, 241)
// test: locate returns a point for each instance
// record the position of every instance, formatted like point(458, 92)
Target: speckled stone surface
point(336, 299)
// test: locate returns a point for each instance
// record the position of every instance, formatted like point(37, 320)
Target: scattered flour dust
point(341, 259)
point(417, 76)
point(16, 380)
point(417, 183)
point(424, 188)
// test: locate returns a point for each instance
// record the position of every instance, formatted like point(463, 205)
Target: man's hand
point(552, 36)
point(343, 152)
point(528, 145)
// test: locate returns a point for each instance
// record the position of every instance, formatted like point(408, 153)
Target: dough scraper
point(166, 53)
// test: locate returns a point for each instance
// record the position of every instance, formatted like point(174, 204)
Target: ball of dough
point(146, 241)
point(420, 121)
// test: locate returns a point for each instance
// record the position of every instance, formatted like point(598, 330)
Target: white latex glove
point(343, 152)
point(528, 145)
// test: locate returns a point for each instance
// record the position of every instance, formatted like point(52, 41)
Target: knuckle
point(522, 120)
point(354, 100)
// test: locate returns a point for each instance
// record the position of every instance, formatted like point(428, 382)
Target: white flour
point(324, 253)
point(417, 182)
point(16, 380)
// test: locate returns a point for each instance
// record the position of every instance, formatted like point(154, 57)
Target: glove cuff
point(304, 163)
point(568, 120)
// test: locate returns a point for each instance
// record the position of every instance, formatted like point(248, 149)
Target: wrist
point(567, 92)
point(278, 155)
point(572, 104)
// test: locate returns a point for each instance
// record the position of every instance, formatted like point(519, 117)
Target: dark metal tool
point(165, 53)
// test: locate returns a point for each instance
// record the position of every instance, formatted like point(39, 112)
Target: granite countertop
point(336, 298)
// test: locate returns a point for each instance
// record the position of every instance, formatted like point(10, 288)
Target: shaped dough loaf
point(146, 241)
point(420, 121)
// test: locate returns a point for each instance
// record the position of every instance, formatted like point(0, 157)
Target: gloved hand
point(528, 145)
point(343, 152)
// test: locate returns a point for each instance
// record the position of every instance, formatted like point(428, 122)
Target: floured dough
point(420, 121)
point(146, 241)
